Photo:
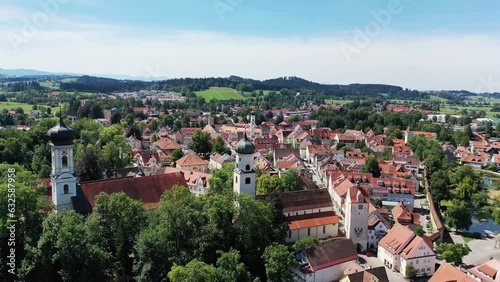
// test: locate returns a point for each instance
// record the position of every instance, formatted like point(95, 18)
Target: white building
point(326, 262)
point(244, 172)
point(63, 176)
point(401, 248)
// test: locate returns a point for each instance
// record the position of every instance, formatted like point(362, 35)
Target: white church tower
point(63, 174)
point(252, 125)
point(356, 217)
point(244, 172)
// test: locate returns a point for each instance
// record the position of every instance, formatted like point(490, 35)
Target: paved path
point(481, 251)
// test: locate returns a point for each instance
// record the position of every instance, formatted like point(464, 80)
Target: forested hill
point(100, 84)
point(243, 84)
point(190, 85)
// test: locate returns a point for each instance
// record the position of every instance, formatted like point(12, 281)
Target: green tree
point(219, 146)
point(305, 243)
point(267, 184)
point(66, 253)
point(439, 186)
point(458, 215)
point(230, 268)
point(116, 153)
point(466, 188)
point(278, 261)
point(177, 154)
point(222, 179)
point(419, 231)
point(88, 166)
point(200, 143)
point(195, 271)
point(116, 221)
point(115, 118)
point(378, 202)
point(411, 272)
point(453, 253)
point(371, 166)
point(290, 181)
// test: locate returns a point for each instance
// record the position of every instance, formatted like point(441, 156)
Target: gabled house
point(325, 263)
point(486, 272)
point(401, 248)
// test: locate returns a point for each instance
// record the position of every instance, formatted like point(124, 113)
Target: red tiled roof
point(147, 189)
point(189, 160)
point(312, 220)
point(447, 273)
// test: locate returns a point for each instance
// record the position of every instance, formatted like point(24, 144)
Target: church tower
point(244, 172)
point(252, 125)
point(356, 217)
point(63, 174)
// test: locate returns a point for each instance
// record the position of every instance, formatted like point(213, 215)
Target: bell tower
point(356, 217)
point(63, 176)
point(244, 172)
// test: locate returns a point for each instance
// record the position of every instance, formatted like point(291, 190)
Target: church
point(67, 194)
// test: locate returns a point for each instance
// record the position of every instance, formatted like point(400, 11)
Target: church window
point(65, 189)
point(247, 167)
point(309, 231)
point(236, 179)
point(324, 229)
point(65, 161)
point(247, 180)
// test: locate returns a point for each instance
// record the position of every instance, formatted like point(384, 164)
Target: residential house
point(192, 162)
point(360, 274)
point(325, 263)
point(486, 272)
point(401, 248)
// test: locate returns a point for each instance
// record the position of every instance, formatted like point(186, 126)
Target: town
point(401, 193)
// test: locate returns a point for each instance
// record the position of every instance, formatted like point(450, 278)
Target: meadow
point(26, 107)
point(220, 93)
point(338, 101)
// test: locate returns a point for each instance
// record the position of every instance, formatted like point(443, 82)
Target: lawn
point(26, 107)
point(50, 84)
point(220, 93)
point(337, 101)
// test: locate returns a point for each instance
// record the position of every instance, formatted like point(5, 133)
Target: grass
point(219, 93)
point(437, 98)
point(50, 84)
point(468, 239)
point(26, 107)
point(447, 109)
point(337, 101)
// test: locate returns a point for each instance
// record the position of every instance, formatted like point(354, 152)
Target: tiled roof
point(330, 254)
point(447, 273)
point(312, 220)
point(167, 144)
point(304, 200)
point(147, 189)
point(191, 159)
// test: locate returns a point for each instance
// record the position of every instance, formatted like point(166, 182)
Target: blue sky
point(418, 44)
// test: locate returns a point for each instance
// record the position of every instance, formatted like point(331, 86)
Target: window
point(360, 207)
point(309, 231)
point(417, 261)
point(289, 234)
point(324, 229)
point(236, 179)
point(65, 161)
point(65, 189)
point(247, 180)
point(247, 167)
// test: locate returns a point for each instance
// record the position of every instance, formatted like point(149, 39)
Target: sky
point(418, 44)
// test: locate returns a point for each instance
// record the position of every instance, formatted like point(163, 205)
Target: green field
point(452, 109)
point(26, 107)
point(50, 84)
point(219, 93)
point(337, 101)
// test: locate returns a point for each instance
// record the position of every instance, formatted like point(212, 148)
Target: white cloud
point(420, 61)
